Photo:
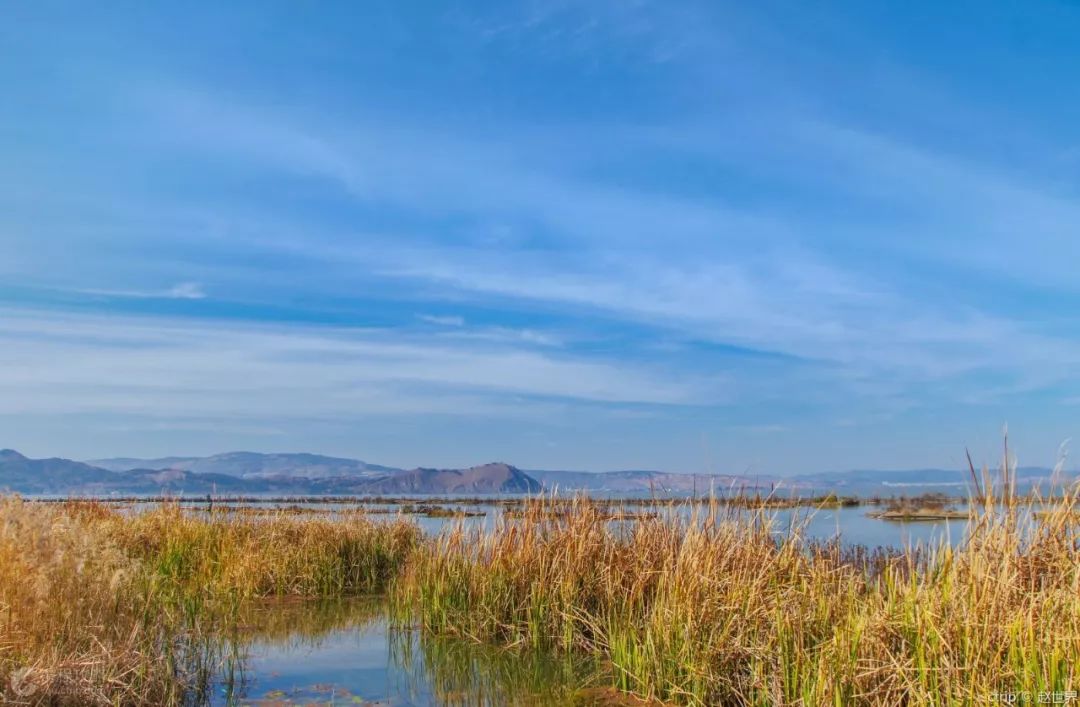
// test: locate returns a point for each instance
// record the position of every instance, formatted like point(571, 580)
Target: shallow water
point(346, 653)
point(850, 524)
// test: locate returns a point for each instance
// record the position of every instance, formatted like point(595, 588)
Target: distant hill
point(156, 481)
point(638, 482)
point(487, 478)
point(253, 465)
point(265, 474)
point(859, 482)
point(64, 476)
point(868, 482)
point(905, 476)
point(46, 476)
point(130, 463)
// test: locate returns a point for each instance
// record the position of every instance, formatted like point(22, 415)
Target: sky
point(769, 237)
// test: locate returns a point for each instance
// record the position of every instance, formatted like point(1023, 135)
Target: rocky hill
point(487, 478)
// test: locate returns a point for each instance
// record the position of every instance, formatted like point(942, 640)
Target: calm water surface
point(851, 524)
point(347, 653)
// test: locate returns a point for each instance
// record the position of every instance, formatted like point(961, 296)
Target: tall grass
point(102, 608)
point(71, 628)
point(224, 555)
point(707, 605)
point(715, 609)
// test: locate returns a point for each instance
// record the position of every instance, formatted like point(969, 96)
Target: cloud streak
point(442, 320)
point(181, 291)
point(62, 363)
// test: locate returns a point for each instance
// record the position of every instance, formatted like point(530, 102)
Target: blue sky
point(773, 237)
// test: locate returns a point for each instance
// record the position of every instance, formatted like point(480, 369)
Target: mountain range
point(252, 465)
point(310, 474)
point(645, 482)
point(250, 473)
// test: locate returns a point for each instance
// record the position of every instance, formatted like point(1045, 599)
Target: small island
point(926, 507)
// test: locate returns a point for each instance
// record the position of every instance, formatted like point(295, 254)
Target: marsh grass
point(709, 604)
point(97, 607)
point(71, 619)
point(713, 607)
point(192, 555)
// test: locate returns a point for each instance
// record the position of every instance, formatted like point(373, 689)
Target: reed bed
point(97, 607)
point(222, 554)
point(718, 609)
point(711, 604)
point(71, 617)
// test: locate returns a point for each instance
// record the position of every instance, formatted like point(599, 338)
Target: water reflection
point(346, 652)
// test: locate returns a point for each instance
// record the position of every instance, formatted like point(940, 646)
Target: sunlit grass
point(717, 609)
point(710, 604)
point(222, 554)
point(102, 608)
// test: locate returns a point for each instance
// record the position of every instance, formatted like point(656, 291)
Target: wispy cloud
point(57, 362)
point(697, 266)
point(511, 335)
point(187, 290)
point(448, 320)
point(182, 290)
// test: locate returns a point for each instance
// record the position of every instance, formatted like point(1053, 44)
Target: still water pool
point(348, 653)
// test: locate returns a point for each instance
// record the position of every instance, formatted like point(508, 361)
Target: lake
point(849, 523)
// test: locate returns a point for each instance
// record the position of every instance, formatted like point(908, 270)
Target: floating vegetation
point(430, 511)
point(927, 507)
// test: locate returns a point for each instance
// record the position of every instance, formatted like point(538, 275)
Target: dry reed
point(102, 608)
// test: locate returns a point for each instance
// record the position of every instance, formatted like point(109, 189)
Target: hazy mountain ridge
point(310, 474)
point(912, 481)
point(55, 475)
point(645, 481)
point(255, 465)
point(857, 482)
